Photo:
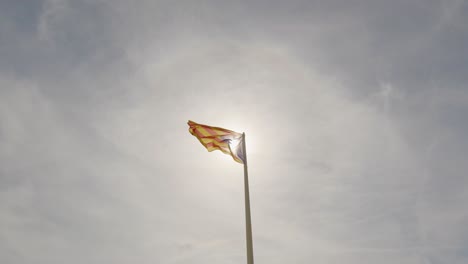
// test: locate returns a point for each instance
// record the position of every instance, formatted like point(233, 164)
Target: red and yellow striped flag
point(214, 138)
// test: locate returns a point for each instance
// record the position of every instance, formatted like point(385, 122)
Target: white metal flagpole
point(248, 223)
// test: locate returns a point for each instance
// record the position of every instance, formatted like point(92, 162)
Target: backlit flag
point(213, 138)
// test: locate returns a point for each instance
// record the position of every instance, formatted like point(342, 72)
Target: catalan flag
point(213, 138)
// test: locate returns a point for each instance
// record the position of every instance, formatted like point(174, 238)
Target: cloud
point(354, 114)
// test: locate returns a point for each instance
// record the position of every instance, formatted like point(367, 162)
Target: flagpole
point(248, 223)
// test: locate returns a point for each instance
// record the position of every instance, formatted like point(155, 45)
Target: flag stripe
point(212, 143)
point(204, 131)
point(217, 139)
point(208, 131)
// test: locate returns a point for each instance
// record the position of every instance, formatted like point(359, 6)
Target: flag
point(213, 138)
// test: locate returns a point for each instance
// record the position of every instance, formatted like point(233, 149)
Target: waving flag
point(216, 138)
point(232, 143)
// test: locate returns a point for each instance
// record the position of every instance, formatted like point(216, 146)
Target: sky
point(354, 113)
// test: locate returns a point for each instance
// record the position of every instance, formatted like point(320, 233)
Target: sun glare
point(234, 142)
point(249, 129)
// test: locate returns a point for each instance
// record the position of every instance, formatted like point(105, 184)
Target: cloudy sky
point(355, 114)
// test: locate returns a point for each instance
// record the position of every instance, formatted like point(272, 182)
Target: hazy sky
point(355, 114)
